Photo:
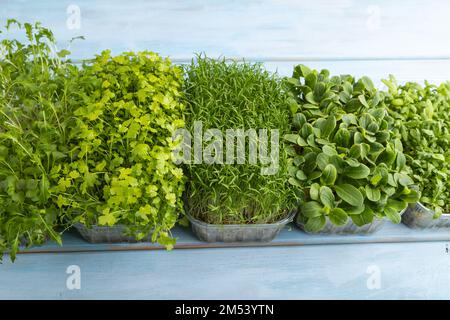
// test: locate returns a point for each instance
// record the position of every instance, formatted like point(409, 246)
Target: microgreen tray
point(420, 217)
point(105, 234)
point(348, 228)
point(237, 232)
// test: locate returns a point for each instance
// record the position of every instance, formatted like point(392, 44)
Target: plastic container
point(237, 232)
point(348, 228)
point(105, 234)
point(420, 217)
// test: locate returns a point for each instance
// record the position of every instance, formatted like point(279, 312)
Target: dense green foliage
point(421, 116)
point(122, 171)
point(93, 144)
point(34, 121)
point(345, 158)
point(230, 95)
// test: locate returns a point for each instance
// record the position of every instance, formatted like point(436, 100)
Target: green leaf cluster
point(236, 95)
point(121, 168)
point(34, 122)
point(345, 160)
point(421, 115)
point(90, 144)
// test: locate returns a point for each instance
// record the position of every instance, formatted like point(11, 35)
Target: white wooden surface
point(368, 37)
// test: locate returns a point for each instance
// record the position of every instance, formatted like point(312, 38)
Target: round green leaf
point(398, 205)
point(392, 214)
point(315, 224)
point(365, 217)
point(294, 182)
point(299, 120)
point(328, 150)
point(350, 194)
point(342, 137)
point(300, 175)
point(311, 209)
point(403, 179)
point(301, 142)
point(291, 137)
point(360, 172)
point(314, 175)
point(327, 197)
point(329, 175)
point(338, 216)
point(328, 126)
point(373, 194)
point(355, 151)
point(314, 191)
point(322, 160)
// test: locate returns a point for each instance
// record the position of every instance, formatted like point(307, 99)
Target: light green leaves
point(315, 224)
point(342, 137)
point(327, 197)
point(353, 157)
point(301, 71)
point(227, 95)
point(421, 116)
point(291, 137)
point(364, 217)
point(329, 175)
point(327, 126)
point(311, 209)
point(121, 169)
point(373, 194)
point(393, 215)
point(338, 216)
point(300, 175)
point(349, 194)
point(403, 179)
point(314, 191)
point(359, 172)
point(35, 86)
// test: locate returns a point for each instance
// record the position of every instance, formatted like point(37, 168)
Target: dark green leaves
point(233, 95)
point(353, 159)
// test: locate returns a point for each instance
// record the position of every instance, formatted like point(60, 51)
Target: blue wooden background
point(406, 38)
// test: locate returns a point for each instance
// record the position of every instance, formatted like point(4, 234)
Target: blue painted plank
point(370, 271)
